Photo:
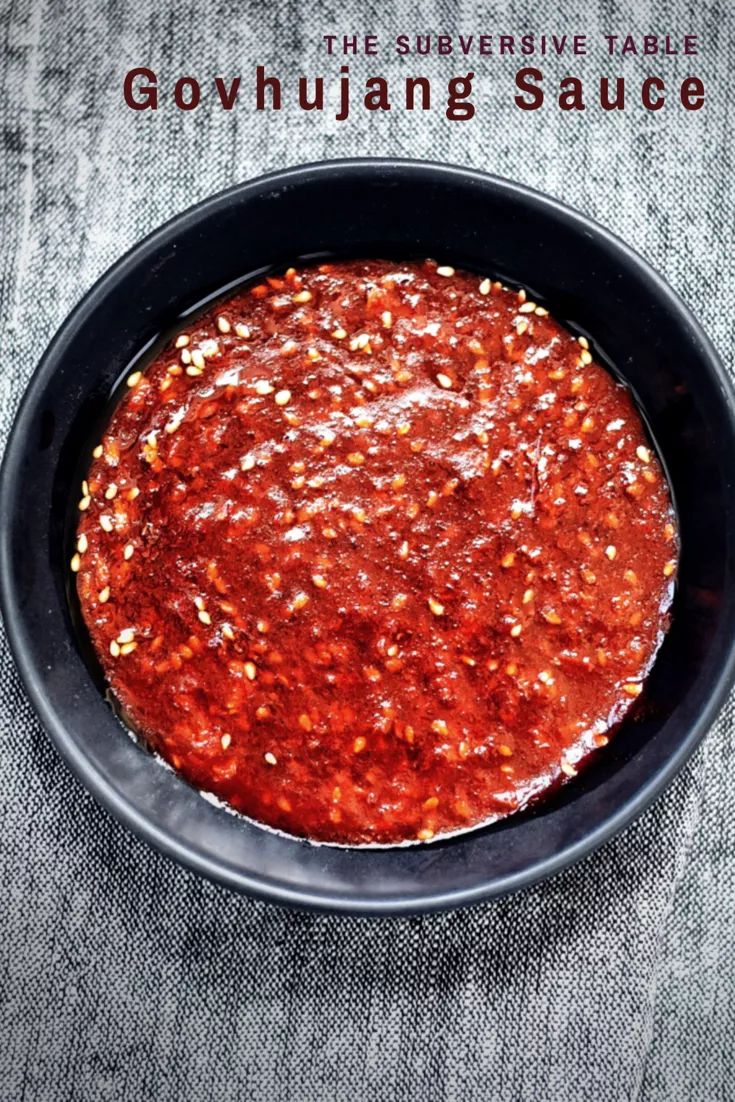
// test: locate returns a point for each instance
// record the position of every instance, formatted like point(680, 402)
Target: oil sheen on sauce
point(375, 551)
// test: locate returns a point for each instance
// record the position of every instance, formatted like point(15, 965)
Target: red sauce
point(375, 552)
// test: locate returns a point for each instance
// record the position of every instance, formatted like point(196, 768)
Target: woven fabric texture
point(123, 977)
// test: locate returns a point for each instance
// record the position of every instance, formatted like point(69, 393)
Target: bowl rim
point(99, 784)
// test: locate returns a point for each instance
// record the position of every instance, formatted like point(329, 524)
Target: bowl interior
point(375, 209)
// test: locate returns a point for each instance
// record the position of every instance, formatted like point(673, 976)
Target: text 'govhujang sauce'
point(375, 552)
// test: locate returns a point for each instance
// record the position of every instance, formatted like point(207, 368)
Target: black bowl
point(376, 208)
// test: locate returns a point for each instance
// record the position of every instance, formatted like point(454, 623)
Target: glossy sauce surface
point(375, 551)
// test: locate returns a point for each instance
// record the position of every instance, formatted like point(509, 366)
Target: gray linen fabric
point(124, 977)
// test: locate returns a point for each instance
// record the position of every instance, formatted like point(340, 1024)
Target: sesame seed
point(76, 562)
point(633, 688)
point(115, 648)
point(527, 308)
point(359, 744)
point(204, 616)
point(583, 342)
point(282, 398)
point(643, 454)
point(521, 327)
point(97, 453)
point(270, 758)
point(669, 569)
point(135, 378)
point(104, 595)
point(444, 381)
point(445, 270)
point(305, 722)
point(300, 601)
point(302, 296)
point(223, 324)
point(586, 357)
point(263, 387)
point(516, 630)
point(251, 671)
point(289, 348)
point(82, 543)
point(242, 330)
point(403, 550)
point(84, 503)
point(194, 372)
point(209, 348)
point(175, 421)
point(106, 523)
point(128, 648)
point(436, 606)
point(185, 356)
point(225, 741)
point(128, 552)
point(426, 833)
point(339, 334)
point(568, 768)
point(508, 560)
point(387, 319)
point(528, 596)
point(111, 491)
point(541, 312)
point(319, 581)
point(355, 459)
point(197, 358)
point(485, 287)
point(228, 632)
point(611, 551)
point(182, 340)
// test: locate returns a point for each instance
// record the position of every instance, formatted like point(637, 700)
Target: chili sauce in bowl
point(376, 552)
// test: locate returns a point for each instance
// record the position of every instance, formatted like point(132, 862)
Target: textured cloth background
point(124, 977)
